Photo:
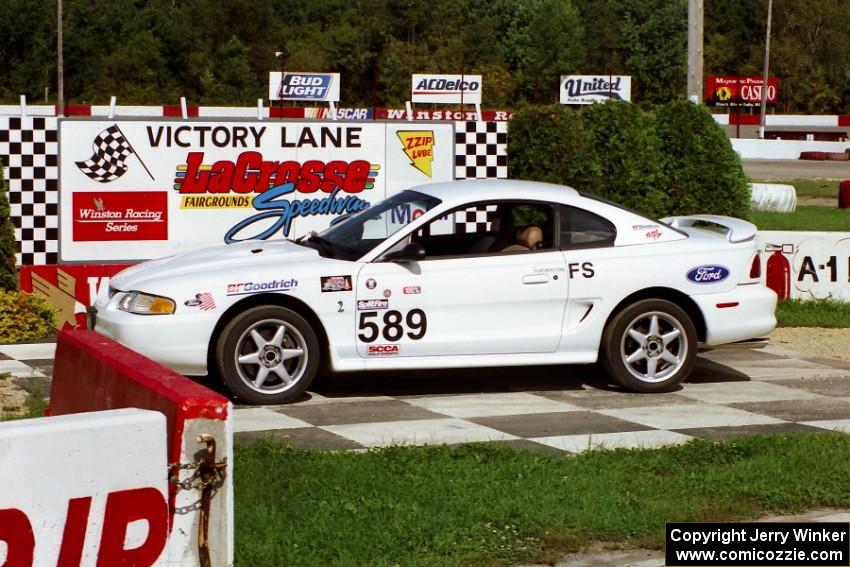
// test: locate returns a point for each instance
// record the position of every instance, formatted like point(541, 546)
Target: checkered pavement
point(564, 408)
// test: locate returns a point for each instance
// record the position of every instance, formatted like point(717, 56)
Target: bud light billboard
point(305, 87)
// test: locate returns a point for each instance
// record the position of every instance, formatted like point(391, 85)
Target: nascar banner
point(310, 87)
point(452, 89)
point(588, 89)
point(183, 185)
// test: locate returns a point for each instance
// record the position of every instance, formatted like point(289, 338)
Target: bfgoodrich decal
point(245, 288)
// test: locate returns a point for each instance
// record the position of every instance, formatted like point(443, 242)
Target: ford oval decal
point(708, 274)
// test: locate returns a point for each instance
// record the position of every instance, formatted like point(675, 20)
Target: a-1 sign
point(739, 91)
point(312, 87)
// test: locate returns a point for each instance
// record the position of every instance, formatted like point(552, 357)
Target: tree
point(703, 173)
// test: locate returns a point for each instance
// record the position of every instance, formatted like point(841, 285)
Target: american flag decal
point(206, 300)
point(203, 300)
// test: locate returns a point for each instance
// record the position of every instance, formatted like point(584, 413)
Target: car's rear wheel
point(650, 346)
point(267, 355)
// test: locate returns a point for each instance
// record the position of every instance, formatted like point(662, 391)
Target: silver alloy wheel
point(654, 346)
point(271, 356)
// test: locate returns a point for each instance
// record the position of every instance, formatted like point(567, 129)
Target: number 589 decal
point(392, 326)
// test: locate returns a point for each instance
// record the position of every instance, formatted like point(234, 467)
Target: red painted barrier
point(92, 372)
point(817, 156)
point(844, 194)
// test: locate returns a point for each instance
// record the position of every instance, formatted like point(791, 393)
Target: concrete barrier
point(782, 149)
point(86, 489)
point(92, 373)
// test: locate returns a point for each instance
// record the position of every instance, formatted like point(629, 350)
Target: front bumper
point(746, 312)
point(178, 341)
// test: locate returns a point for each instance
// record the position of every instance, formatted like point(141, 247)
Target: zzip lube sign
point(305, 87)
point(452, 89)
point(134, 190)
point(588, 89)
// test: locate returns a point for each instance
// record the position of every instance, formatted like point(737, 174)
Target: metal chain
point(195, 481)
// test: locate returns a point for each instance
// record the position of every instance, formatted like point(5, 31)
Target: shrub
point(703, 173)
point(628, 153)
point(25, 317)
point(8, 271)
point(549, 143)
point(676, 160)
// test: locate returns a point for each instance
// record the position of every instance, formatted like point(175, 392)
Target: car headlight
point(146, 304)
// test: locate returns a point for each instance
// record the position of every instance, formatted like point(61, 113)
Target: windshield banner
point(134, 190)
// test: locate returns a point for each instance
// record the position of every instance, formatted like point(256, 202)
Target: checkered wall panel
point(481, 150)
point(29, 152)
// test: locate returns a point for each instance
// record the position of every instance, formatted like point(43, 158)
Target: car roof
point(459, 192)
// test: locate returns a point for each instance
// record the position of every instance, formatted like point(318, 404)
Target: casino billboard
point(134, 190)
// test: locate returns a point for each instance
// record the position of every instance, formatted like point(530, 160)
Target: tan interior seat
point(527, 238)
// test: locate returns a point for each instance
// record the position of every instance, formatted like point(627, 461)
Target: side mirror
point(410, 253)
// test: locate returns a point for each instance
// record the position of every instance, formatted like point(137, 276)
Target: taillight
point(755, 267)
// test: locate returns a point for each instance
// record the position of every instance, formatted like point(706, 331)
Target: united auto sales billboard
point(588, 89)
point(806, 265)
point(739, 91)
point(134, 190)
point(451, 89)
point(310, 87)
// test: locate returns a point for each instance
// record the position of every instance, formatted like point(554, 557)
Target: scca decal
point(383, 350)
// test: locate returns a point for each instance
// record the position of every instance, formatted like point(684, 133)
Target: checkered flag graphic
point(106, 164)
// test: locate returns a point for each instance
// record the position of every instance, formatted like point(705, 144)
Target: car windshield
point(359, 233)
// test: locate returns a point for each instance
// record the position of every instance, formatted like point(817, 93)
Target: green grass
point(806, 217)
point(821, 313)
point(487, 505)
point(810, 187)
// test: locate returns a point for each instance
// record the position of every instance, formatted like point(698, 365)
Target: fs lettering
point(123, 507)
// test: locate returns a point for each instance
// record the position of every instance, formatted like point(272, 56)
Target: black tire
point(252, 364)
point(642, 359)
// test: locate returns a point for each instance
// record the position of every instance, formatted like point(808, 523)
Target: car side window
point(583, 229)
point(489, 228)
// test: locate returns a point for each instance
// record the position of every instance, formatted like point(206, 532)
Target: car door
point(464, 299)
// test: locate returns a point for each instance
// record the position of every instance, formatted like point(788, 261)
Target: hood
point(209, 261)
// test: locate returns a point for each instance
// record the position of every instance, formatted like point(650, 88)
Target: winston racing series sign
point(134, 190)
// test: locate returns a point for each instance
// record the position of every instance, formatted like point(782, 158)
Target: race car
point(478, 273)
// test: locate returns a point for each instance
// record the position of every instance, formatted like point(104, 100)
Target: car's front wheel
point(650, 346)
point(267, 355)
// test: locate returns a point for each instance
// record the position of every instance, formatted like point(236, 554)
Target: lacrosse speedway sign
point(134, 190)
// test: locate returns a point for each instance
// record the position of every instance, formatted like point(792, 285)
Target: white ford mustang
point(459, 274)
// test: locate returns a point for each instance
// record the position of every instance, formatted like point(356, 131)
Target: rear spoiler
point(736, 230)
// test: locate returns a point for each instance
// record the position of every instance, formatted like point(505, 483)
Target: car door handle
point(535, 279)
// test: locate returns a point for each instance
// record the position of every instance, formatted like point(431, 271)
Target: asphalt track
point(775, 169)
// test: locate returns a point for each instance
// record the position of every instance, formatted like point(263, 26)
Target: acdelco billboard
point(588, 89)
point(735, 91)
point(452, 89)
point(310, 87)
